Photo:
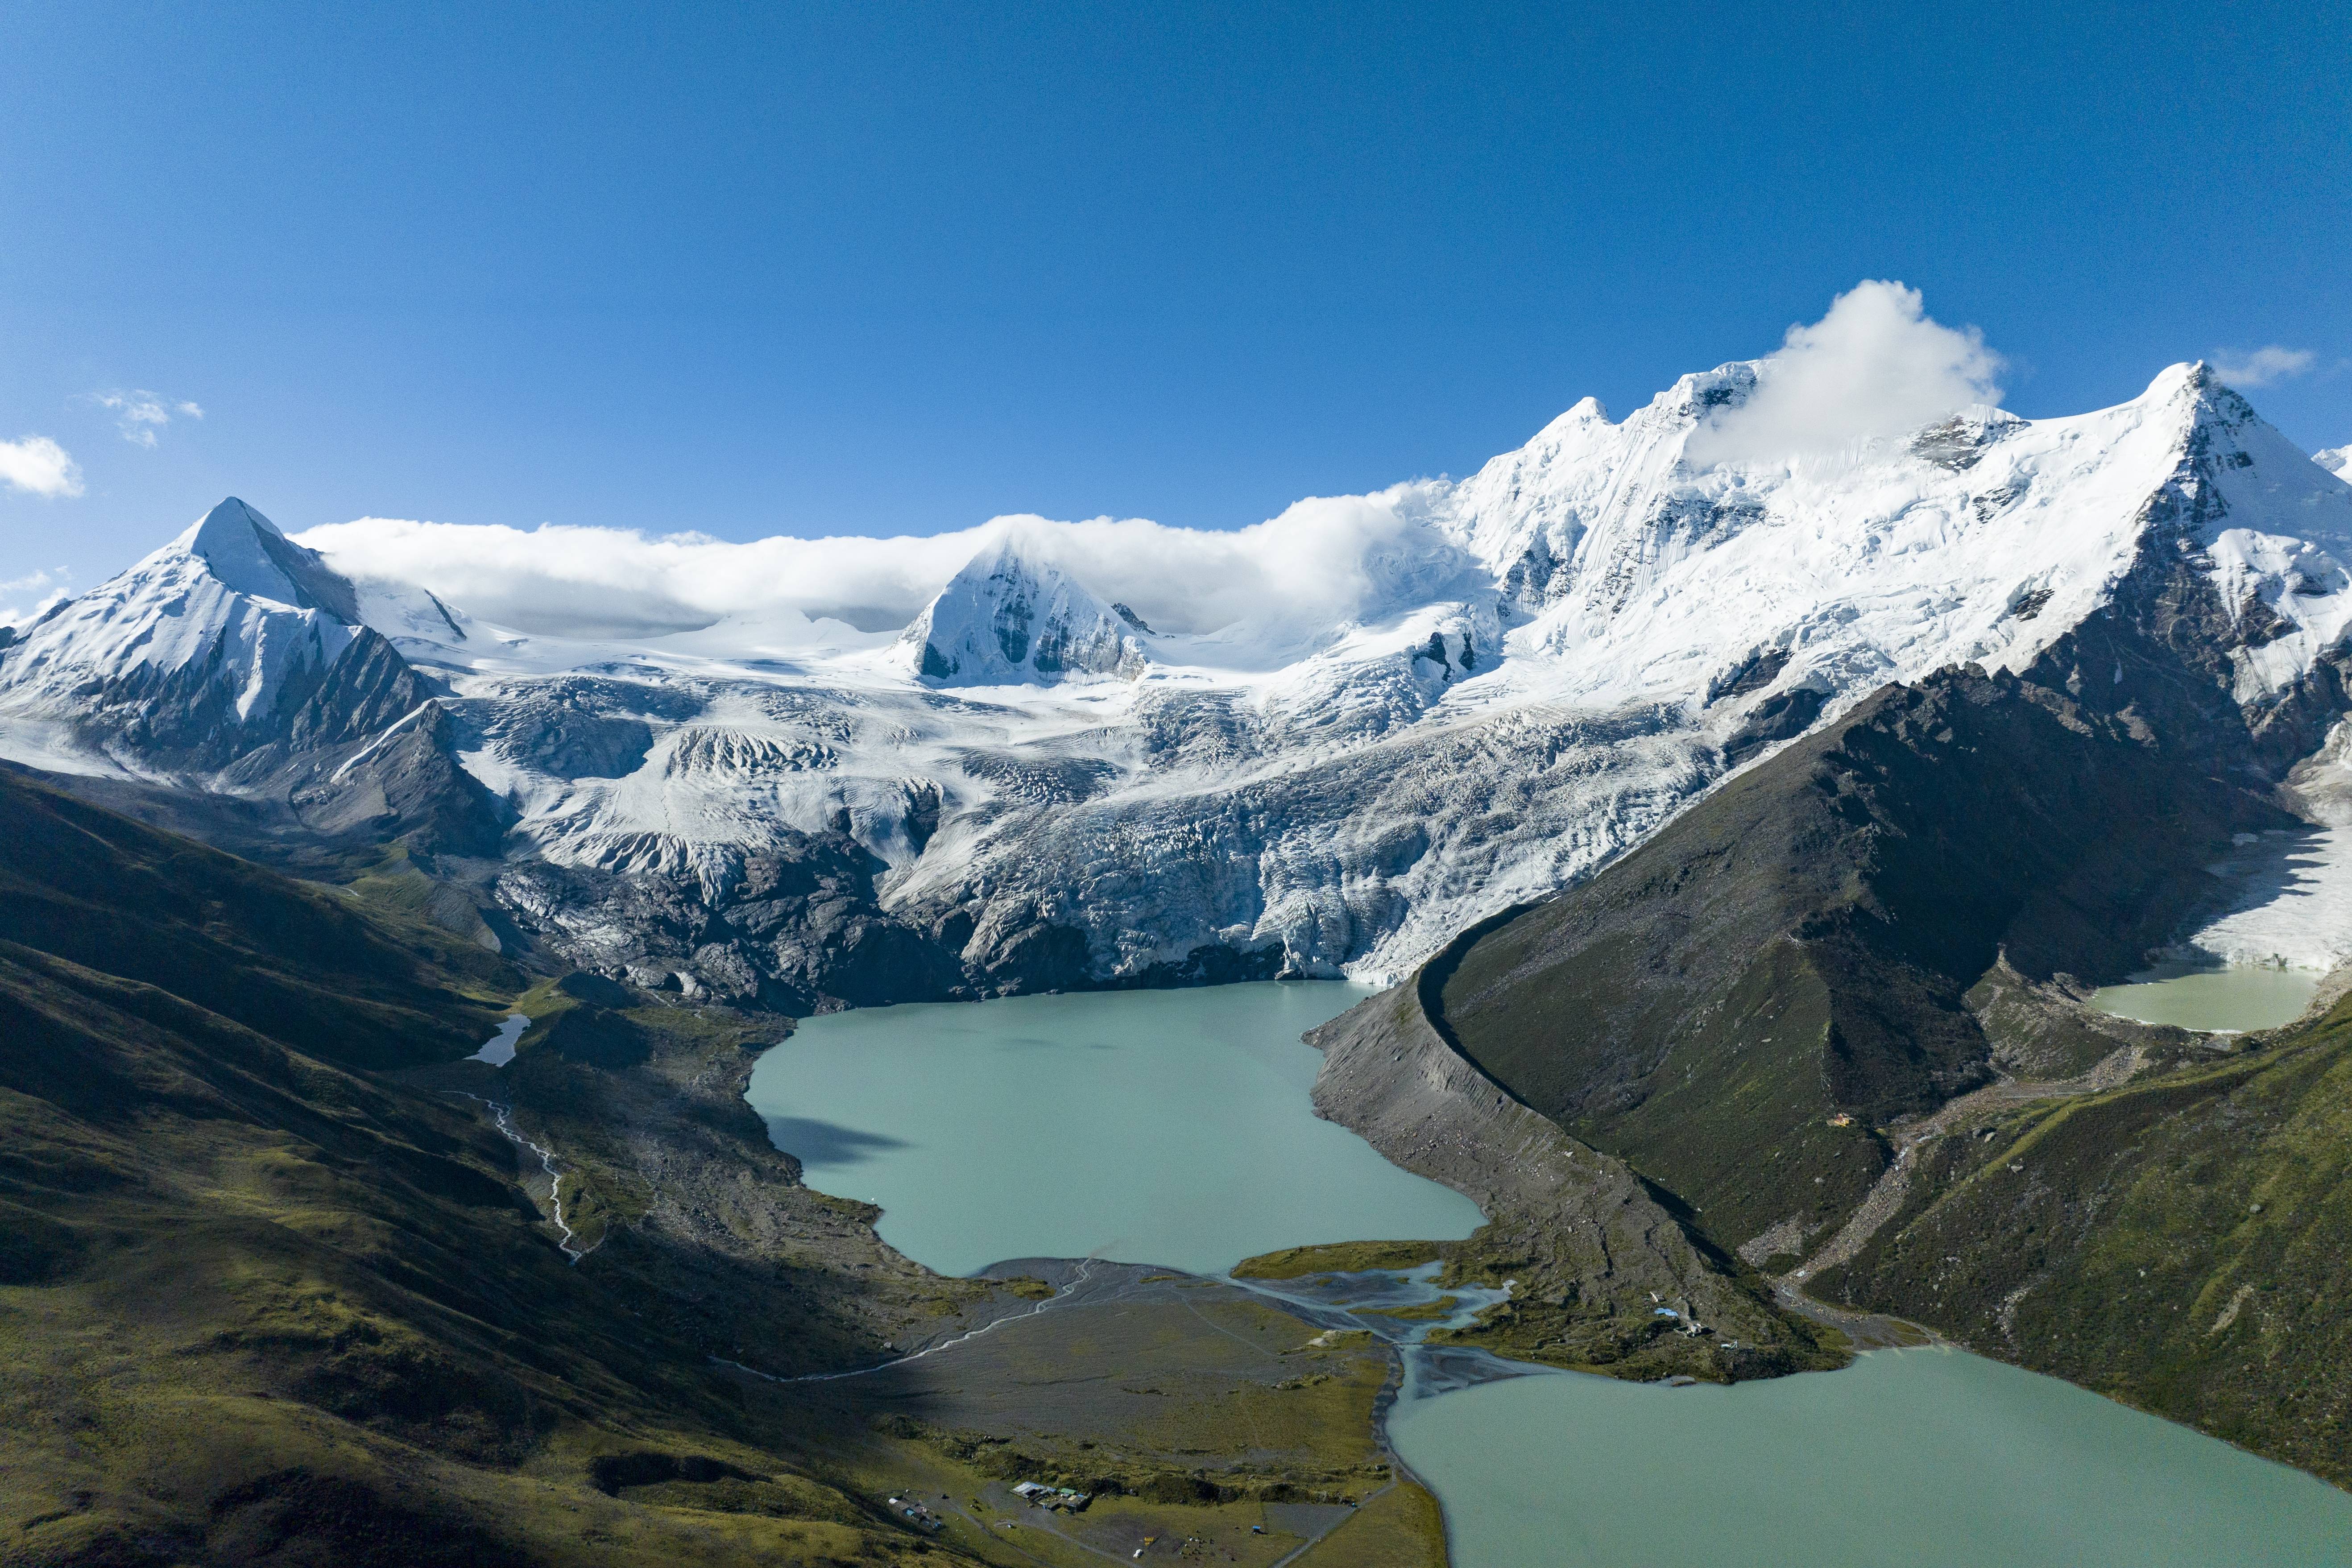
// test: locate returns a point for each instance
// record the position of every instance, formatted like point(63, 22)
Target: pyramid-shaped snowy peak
point(1013, 617)
point(244, 552)
point(193, 647)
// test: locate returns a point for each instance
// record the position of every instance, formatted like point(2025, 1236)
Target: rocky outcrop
point(795, 927)
point(403, 786)
point(1592, 1251)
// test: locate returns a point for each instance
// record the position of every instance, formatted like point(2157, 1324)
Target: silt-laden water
point(1166, 1127)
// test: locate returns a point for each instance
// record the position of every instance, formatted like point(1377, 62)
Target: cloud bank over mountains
point(1875, 364)
point(1323, 563)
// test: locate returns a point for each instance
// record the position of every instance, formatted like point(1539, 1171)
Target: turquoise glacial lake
point(1174, 1127)
point(1166, 1127)
point(1930, 1458)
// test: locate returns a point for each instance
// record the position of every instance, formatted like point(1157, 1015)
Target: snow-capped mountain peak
point(2337, 460)
point(244, 552)
point(198, 652)
point(1011, 617)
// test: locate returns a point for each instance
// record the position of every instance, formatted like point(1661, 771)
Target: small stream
point(1368, 1300)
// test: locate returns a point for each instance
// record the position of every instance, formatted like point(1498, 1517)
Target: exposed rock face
point(218, 643)
point(404, 786)
point(797, 930)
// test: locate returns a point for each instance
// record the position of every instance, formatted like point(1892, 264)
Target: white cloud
point(2267, 364)
point(50, 587)
point(38, 465)
point(139, 415)
point(1877, 365)
point(1323, 563)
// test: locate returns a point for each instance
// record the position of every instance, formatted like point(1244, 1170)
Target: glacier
point(1029, 786)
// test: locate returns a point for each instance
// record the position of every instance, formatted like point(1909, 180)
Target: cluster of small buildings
point(1061, 1497)
point(915, 1514)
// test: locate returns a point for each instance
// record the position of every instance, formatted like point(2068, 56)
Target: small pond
point(1168, 1127)
point(500, 1048)
point(2219, 998)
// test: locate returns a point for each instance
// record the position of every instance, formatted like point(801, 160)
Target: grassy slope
point(287, 958)
point(1401, 1527)
point(2183, 1245)
point(261, 1302)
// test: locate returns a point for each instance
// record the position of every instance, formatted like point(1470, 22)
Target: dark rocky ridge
point(1800, 945)
point(1593, 1248)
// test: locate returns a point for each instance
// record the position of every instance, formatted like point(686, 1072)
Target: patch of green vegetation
point(1400, 1527)
point(1443, 1307)
point(1552, 1320)
point(1337, 1257)
point(395, 886)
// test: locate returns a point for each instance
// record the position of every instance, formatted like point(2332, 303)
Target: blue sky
point(898, 267)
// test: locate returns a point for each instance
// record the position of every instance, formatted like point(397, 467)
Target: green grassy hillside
point(267, 1297)
point(289, 960)
point(273, 1290)
point(2183, 1245)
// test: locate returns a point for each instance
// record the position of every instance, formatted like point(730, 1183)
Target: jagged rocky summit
point(1029, 787)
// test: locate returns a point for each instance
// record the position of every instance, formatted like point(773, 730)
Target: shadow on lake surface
point(815, 1142)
